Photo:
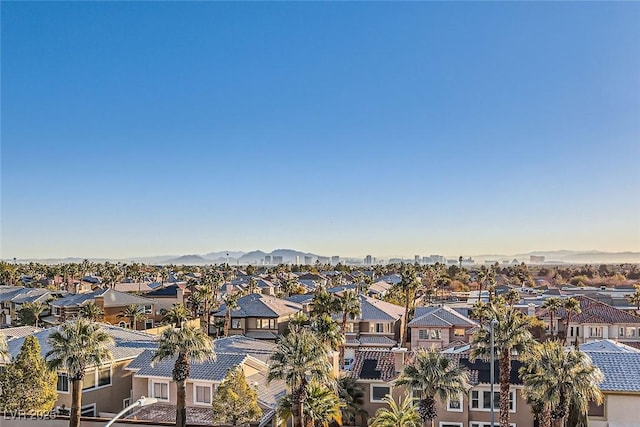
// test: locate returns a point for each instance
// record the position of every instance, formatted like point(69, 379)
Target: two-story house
point(259, 316)
point(439, 326)
point(106, 388)
point(12, 298)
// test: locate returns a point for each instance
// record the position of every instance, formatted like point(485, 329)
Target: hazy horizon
point(141, 129)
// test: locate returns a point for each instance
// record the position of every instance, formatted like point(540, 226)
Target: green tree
point(408, 285)
point(325, 303)
point(299, 357)
point(234, 401)
point(134, 314)
point(4, 350)
point(552, 305)
point(27, 384)
point(571, 307)
point(91, 311)
point(398, 415)
point(511, 334)
point(231, 303)
point(176, 315)
point(635, 297)
point(30, 313)
point(328, 331)
point(350, 308)
point(433, 376)
point(187, 344)
point(77, 345)
point(559, 380)
point(352, 396)
point(322, 406)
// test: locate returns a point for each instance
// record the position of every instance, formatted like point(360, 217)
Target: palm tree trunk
point(296, 412)
point(227, 322)
point(76, 402)
point(344, 334)
point(403, 324)
point(505, 374)
point(545, 416)
point(551, 327)
point(181, 405)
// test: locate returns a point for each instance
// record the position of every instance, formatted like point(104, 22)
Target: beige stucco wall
point(621, 410)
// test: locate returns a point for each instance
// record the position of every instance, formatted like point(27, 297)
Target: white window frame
point(371, 399)
point(126, 402)
point(148, 321)
point(450, 423)
point(460, 409)
point(152, 383)
point(98, 377)
point(235, 325)
point(68, 383)
point(195, 394)
point(481, 407)
point(147, 310)
point(91, 406)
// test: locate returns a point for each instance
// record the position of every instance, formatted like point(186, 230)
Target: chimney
point(398, 353)
point(531, 309)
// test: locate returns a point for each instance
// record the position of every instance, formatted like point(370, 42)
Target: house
point(112, 302)
point(439, 326)
point(237, 351)
point(620, 365)
point(596, 321)
point(106, 388)
point(164, 297)
point(12, 298)
point(259, 316)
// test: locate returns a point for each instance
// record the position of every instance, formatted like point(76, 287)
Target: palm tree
point(635, 297)
point(511, 334)
point(552, 305)
point(408, 285)
point(195, 301)
point(91, 311)
point(325, 303)
point(404, 415)
point(4, 349)
point(187, 344)
point(299, 357)
point(231, 303)
point(77, 345)
point(328, 331)
point(558, 380)
point(133, 313)
point(176, 315)
point(571, 306)
point(350, 308)
point(352, 396)
point(31, 311)
point(322, 406)
point(433, 375)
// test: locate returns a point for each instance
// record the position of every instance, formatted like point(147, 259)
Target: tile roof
point(607, 346)
point(127, 344)
point(376, 340)
point(20, 294)
point(440, 316)
point(593, 312)
point(375, 309)
point(374, 365)
point(209, 370)
point(621, 370)
point(241, 344)
point(165, 412)
point(112, 298)
point(19, 331)
point(258, 305)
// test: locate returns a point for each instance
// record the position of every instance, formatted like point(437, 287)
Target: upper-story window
point(481, 400)
point(631, 332)
point(459, 333)
point(266, 323)
point(595, 331)
point(202, 394)
point(236, 324)
point(160, 390)
point(148, 309)
point(378, 392)
point(381, 328)
point(63, 382)
point(454, 404)
point(430, 334)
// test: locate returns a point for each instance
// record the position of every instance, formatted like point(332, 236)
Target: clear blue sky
point(139, 128)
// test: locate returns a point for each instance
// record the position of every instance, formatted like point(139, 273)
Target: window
point(236, 324)
point(266, 323)
point(436, 334)
point(458, 333)
point(350, 327)
point(595, 331)
point(123, 324)
point(63, 383)
point(147, 309)
point(455, 404)
point(448, 424)
point(481, 401)
point(160, 390)
point(126, 402)
point(57, 311)
point(423, 334)
point(596, 410)
point(379, 328)
point(88, 410)
point(104, 376)
point(621, 334)
point(631, 332)
point(202, 394)
point(148, 324)
point(571, 331)
point(378, 392)
point(89, 380)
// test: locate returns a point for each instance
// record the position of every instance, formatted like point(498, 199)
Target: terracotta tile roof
point(593, 312)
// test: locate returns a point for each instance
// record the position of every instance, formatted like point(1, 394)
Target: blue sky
point(139, 128)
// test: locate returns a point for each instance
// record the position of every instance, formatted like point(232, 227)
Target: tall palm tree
point(4, 349)
point(194, 302)
point(231, 303)
point(352, 396)
point(322, 406)
point(433, 376)
point(511, 334)
point(408, 285)
point(134, 314)
point(398, 415)
point(188, 344)
point(552, 305)
point(328, 331)
point(31, 311)
point(635, 297)
point(325, 303)
point(299, 357)
point(571, 307)
point(558, 379)
point(77, 345)
point(176, 315)
point(91, 311)
point(350, 308)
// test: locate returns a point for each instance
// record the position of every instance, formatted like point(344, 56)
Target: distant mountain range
point(291, 255)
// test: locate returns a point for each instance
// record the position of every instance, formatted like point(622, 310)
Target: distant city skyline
point(391, 129)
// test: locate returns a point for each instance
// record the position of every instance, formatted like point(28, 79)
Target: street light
point(492, 369)
point(143, 401)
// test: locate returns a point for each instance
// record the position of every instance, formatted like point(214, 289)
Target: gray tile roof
point(621, 370)
point(20, 294)
point(608, 346)
point(19, 331)
point(209, 370)
point(127, 344)
point(376, 340)
point(241, 344)
point(440, 316)
point(112, 298)
point(258, 305)
point(375, 309)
